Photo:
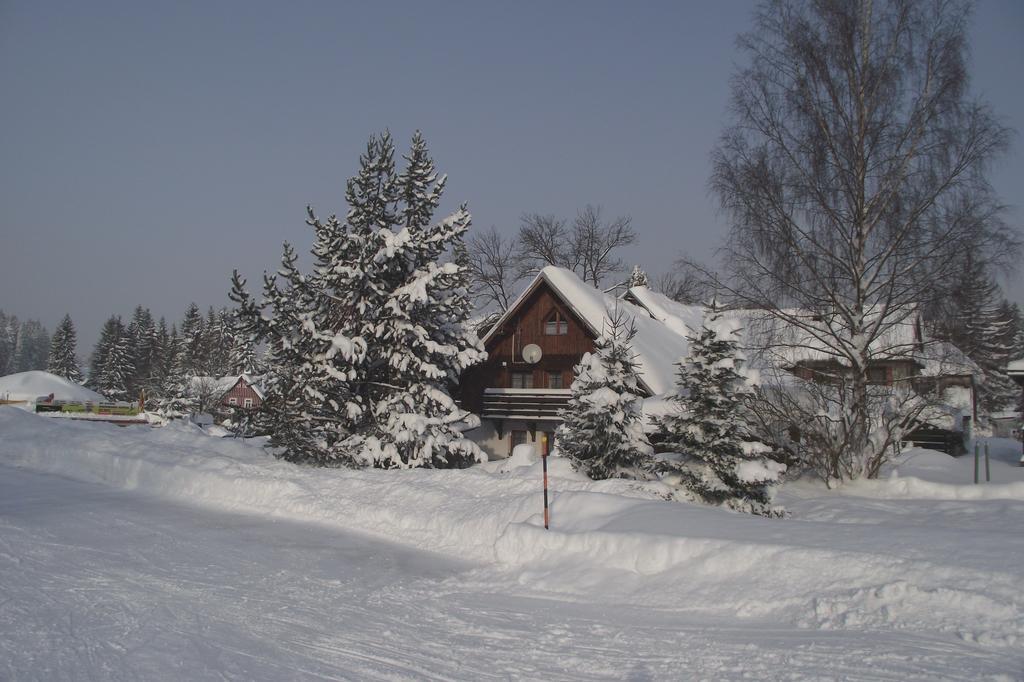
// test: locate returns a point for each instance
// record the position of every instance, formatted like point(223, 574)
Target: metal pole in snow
point(976, 446)
point(988, 478)
point(544, 460)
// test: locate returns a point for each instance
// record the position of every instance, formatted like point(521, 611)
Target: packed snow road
point(98, 583)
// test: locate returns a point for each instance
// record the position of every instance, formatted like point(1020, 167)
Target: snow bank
point(911, 488)
point(921, 474)
point(617, 538)
point(457, 512)
point(33, 384)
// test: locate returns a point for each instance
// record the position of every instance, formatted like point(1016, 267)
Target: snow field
point(33, 384)
point(859, 559)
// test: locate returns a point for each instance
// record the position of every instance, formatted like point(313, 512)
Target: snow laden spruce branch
point(63, 358)
point(364, 349)
point(705, 446)
point(602, 425)
point(708, 439)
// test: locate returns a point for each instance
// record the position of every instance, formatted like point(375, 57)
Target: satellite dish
point(532, 353)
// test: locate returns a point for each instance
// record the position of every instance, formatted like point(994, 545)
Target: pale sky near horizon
point(147, 149)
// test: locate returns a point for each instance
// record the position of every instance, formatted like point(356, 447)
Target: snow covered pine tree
point(117, 366)
point(638, 278)
point(980, 322)
point(186, 359)
point(365, 349)
point(63, 359)
point(602, 430)
point(142, 337)
point(721, 463)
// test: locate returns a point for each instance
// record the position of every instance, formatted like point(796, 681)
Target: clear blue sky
point(147, 149)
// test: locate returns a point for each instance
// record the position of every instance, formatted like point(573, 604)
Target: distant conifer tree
point(63, 359)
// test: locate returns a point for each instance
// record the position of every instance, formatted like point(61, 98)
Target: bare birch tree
point(596, 241)
point(854, 166)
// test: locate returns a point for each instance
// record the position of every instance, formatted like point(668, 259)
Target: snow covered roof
point(663, 326)
point(901, 341)
point(789, 344)
point(222, 385)
point(657, 347)
point(254, 384)
point(944, 359)
point(36, 383)
point(681, 318)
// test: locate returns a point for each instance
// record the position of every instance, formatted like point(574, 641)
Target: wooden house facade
point(518, 394)
point(534, 347)
point(243, 393)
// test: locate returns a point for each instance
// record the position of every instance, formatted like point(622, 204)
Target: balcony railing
point(525, 403)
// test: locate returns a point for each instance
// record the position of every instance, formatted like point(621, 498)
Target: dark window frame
point(879, 375)
point(556, 323)
point(525, 379)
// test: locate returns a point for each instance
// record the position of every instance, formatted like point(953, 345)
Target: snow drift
point(33, 384)
point(616, 537)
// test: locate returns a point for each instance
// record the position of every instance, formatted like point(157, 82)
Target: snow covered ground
point(168, 554)
point(30, 385)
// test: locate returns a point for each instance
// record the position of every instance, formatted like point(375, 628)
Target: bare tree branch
point(544, 240)
point(854, 174)
point(588, 249)
point(493, 267)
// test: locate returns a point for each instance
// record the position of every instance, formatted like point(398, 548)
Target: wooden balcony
point(534, 404)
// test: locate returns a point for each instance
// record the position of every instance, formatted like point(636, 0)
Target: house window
point(248, 402)
point(522, 379)
point(880, 375)
point(232, 401)
point(554, 379)
point(556, 325)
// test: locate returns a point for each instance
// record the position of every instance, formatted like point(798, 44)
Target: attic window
point(556, 325)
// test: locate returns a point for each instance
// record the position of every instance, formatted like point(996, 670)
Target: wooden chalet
point(244, 392)
point(532, 350)
point(533, 347)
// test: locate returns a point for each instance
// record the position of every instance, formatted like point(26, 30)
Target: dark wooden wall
point(241, 390)
point(560, 352)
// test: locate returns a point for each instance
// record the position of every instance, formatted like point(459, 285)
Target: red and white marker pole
point(544, 461)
